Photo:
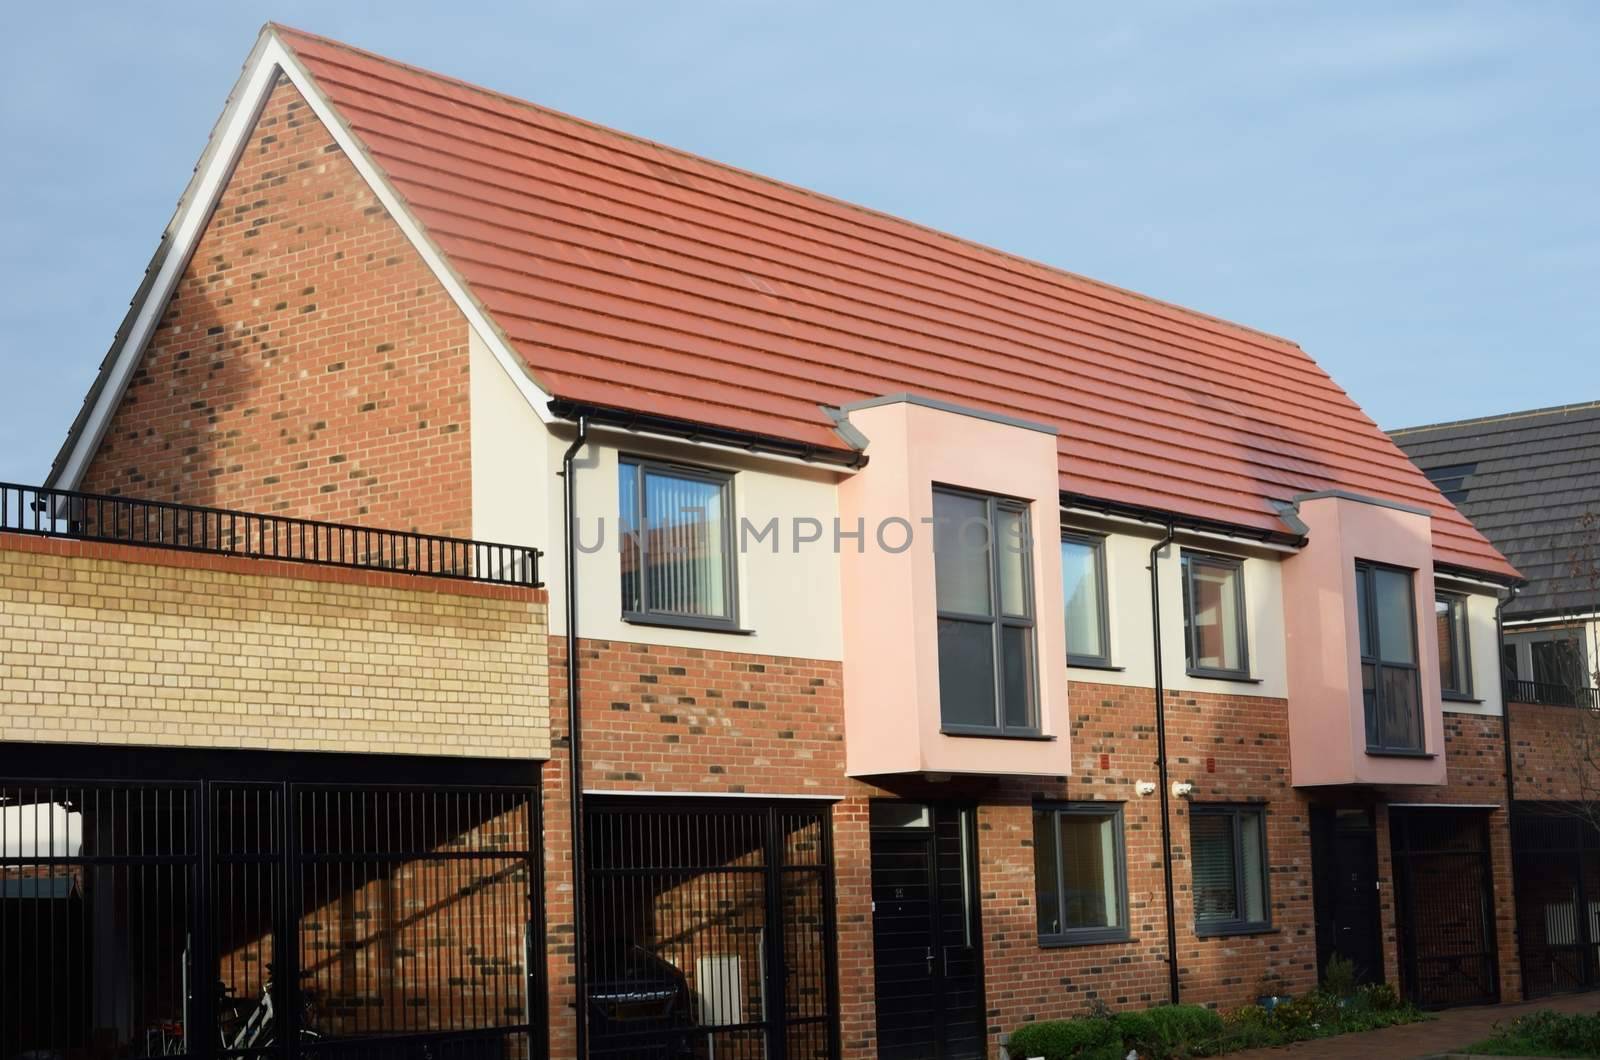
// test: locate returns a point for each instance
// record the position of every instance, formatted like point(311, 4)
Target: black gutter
point(575, 734)
point(690, 431)
point(1177, 521)
point(1161, 764)
point(1507, 581)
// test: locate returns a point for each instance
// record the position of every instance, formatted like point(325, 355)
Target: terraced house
point(851, 779)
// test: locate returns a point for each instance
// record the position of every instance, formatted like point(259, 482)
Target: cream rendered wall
point(1128, 598)
point(1483, 648)
point(510, 469)
point(788, 601)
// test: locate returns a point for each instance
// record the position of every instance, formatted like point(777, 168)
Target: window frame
point(644, 615)
point(1460, 631)
point(998, 620)
point(1240, 925)
point(1367, 569)
point(1187, 558)
point(1096, 543)
point(1084, 936)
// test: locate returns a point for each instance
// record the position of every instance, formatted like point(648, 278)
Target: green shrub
point(1170, 1031)
point(1339, 977)
point(1379, 997)
point(1177, 1032)
point(1076, 1039)
point(1578, 1034)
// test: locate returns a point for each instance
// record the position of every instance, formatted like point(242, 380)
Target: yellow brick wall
point(200, 651)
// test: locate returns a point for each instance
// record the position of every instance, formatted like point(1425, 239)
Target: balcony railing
point(1546, 694)
point(187, 527)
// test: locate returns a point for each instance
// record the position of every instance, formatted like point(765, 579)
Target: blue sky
point(1409, 190)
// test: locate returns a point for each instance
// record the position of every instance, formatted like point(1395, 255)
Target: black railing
point(1549, 694)
point(162, 524)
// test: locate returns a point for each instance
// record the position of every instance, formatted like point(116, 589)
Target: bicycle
point(237, 1029)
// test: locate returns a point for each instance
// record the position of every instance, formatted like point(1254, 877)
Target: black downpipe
point(575, 735)
point(1505, 704)
point(1161, 765)
point(1511, 780)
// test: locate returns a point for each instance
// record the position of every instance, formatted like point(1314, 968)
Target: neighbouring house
point(1176, 721)
point(1530, 481)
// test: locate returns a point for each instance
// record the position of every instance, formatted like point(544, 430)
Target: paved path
point(1453, 1029)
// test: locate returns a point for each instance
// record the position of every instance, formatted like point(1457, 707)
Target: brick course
point(142, 646)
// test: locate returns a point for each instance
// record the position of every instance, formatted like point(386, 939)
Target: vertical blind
point(1229, 862)
point(675, 538)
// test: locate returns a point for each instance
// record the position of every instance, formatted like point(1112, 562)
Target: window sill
point(1058, 942)
point(1232, 932)
point(1458, 697)
point(994, 734)
point(1225, 675)
point(1089, 664)
point(666, 622)
point(1386, 752)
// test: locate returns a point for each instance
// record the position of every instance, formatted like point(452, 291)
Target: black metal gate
point(710, 930)
point(1444, 887)
point(1558, 899)
point(233, 918)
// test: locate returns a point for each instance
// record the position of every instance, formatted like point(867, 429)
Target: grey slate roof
point(1530, 481)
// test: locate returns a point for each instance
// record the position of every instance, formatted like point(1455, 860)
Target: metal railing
point(1548, 694)
point(163, 524)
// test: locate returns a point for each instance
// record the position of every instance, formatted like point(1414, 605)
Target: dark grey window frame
point(1000, 621)
point(1366, 569)
point(1463, 660)
point(1188, 559)
point(1096, 542)
point(644, 615)
point(1238, 925)
point(1085, 936)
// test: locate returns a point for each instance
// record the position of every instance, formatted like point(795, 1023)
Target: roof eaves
point(705, 433)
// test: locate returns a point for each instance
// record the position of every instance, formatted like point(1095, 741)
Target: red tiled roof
point(631, 275)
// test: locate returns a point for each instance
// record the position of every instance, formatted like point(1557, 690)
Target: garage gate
point(1558, 898)
point(269, 901)
point(1444, 885)
point(709, 930)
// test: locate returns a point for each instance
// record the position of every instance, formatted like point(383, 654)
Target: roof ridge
point(1054, 273)
point(1499, 417)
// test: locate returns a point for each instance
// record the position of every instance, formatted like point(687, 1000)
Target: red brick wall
point(668, 719)
point(308, 361)
point(1548, 750)
point(1233, 749)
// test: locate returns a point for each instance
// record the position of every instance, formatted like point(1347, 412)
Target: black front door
point(925, 934)
point(1344, 859)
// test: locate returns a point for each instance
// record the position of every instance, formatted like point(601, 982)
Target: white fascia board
point(269, 57)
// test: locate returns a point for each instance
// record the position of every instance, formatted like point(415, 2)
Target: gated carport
point(207, 904)
point(710, 929)
point(1444, 890)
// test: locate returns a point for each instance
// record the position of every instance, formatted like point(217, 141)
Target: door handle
point(930, 960)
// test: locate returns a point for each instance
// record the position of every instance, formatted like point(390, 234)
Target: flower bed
point(1172, 1032)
